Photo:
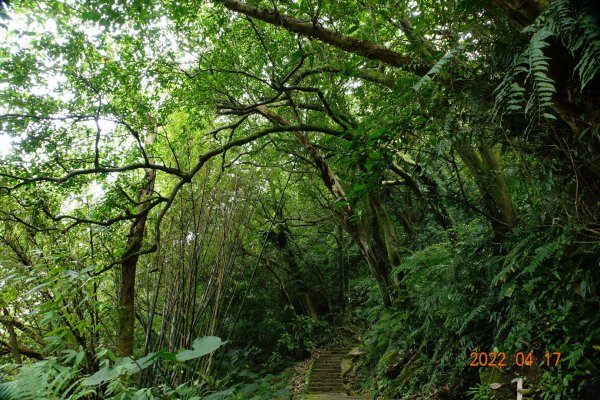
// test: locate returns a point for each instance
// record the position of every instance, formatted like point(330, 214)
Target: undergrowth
point(532, 295)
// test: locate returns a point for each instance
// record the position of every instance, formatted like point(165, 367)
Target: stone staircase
point(325, 382)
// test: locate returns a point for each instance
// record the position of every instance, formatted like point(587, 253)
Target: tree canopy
point(195, 195)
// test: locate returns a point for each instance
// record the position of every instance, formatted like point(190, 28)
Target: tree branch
point(347, 43)
point(364, 74)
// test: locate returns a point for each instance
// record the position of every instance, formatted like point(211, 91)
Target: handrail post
point(520, 390)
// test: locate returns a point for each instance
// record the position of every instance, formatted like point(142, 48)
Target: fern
point(542, 254)
point(435, 70)
point(542, 85)
point(513, 258)
point(526, 86)
point(530, 66)
point(579, 33)
point(45, 379)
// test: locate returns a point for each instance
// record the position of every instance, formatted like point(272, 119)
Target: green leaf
point(201, 347)
point(284, 392)
point(250, 388)
point(141, 363)
point(167, 356)
point(220, 395)
point(358, 187)
point(79, 357)
point(297, 55)
point(353, 29)
point(105, 374)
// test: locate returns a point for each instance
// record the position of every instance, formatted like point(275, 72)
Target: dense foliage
point(195, 195)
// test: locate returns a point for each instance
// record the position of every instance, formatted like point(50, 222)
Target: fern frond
point(580, 35)
point(542, 254)
point(435, 70)
point(513, 258)
point(530, 65)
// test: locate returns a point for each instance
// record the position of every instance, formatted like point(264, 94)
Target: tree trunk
point(485, 165)
point(384, 237)
point(13, 342)
point(124, 344)
point(432, 197)
point(306, 296)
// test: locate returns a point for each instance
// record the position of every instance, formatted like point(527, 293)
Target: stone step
point(326, 371)
point(326, 388)
point(327, 378)
point(327, 381)
point(334, 374)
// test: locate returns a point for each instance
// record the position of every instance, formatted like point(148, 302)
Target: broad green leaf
point(103, 375)
point(200, 347)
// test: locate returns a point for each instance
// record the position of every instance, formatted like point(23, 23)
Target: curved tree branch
point(347, 43)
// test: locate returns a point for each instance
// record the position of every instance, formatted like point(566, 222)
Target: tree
point(251, 167)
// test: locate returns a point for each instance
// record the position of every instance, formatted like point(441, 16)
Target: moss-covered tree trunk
point(485, 164)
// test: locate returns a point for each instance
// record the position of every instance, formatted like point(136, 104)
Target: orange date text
point(520, 359)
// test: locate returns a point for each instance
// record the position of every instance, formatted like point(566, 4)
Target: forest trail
point(325, 381)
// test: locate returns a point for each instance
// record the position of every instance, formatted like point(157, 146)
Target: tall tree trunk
point(124, 344)
point(485, 164)
point(384, 236)
point(305, 296)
